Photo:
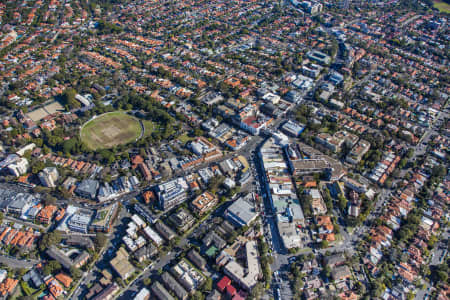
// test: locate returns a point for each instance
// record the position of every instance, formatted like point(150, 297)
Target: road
point(89, 277)
point(15, 263)
point(24, 223)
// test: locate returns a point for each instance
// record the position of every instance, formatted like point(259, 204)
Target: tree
point(37, 167)
point(442, 276)
point(361, 288)
point(208, 284)
point(100, 240)
point(49, 199)
point(342, 202)
point(147, 281)
point(68, 99)
point(75, 272)
point(257, 291)
point(198, 296)
point(49, 239)
point(438, 171)
point(51, 267)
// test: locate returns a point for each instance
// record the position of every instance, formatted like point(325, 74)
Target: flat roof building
point(241, 212)
point(246, 277)
point(80, 220)
point(203, 203)
point(121, 265)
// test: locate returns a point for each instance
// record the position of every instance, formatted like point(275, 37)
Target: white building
point(48, 176)
point(19, 167)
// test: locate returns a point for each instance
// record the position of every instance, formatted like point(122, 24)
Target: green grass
point(442, 6)
point(149, 126)
point(101, 216)
point(109, 130)
point(184, 138)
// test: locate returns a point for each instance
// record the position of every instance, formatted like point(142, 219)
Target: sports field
point(109, 130)
point(442, 6)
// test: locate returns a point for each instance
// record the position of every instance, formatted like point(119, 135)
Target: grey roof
point(160, 292)
point(88, 186)
point(63, 259)
point(77, 240)
point(59, 256)
point(107, 292)
point(173, 285)
point(214, 238)
point(196, 258)
point(335, 259)
point(165, 231)
point(340, 272)
point(34, 277)
point(214, 295)
point(146, 251)
point(242, 209)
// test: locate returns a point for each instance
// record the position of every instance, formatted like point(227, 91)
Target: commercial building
point(18, 203)
point(241, 212)
point(304, 160)
point(281, 193)
point(293, 128)
point(80, 220)
point(319, 57)
point(171, 193)
point(255, 124)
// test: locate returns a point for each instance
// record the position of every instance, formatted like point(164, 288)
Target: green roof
point(211, 251)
